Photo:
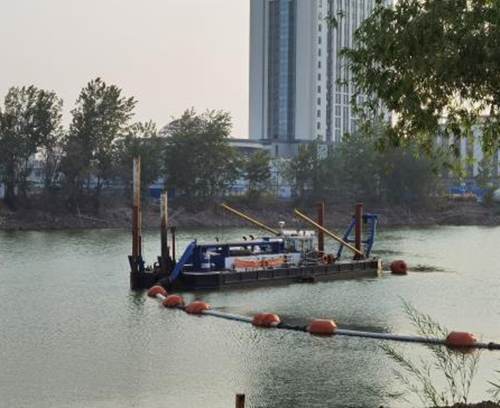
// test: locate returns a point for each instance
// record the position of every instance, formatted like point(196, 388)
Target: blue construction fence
point(469, 189)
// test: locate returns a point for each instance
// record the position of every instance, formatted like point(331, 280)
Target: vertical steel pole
point(136, 217)
point(321, 235)
point(359, 229)
point(173, 229)
point(164, 231)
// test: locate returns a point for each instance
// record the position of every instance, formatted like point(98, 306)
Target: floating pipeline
point(322, 327)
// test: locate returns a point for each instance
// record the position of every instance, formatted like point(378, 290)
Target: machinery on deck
point(286, 255)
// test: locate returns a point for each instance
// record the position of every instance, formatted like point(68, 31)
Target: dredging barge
point(284, 256)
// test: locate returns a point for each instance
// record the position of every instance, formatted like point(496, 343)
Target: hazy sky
point(169, 54)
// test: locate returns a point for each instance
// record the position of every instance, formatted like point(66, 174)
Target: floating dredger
point(283, 256)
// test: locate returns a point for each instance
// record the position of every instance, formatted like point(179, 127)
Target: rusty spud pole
point(335, 237)
point(136, 217)
point(164, 231)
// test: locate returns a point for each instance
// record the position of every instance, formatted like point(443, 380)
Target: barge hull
point(261, 277)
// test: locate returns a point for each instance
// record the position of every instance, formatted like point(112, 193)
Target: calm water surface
point(72, 334)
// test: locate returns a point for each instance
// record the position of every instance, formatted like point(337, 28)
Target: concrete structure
point(247, 147)
point(294, 69)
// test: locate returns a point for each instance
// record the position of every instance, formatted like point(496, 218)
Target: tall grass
point(495, 390)
point(454, 369)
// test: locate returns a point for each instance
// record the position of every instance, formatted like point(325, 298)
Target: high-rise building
point(295, 67)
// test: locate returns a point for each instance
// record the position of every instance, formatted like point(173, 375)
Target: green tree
point(361, 171)
point(51, 159)
point(100, 117)
point(356, 167)
point(429, 60)
point(141, 140)
point(408, 177)
point(486, 178)
point(30, 122)
point(306, 172)
point(199, 160)
point(257, 172)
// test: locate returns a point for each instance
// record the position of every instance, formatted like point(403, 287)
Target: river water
point(72, 334)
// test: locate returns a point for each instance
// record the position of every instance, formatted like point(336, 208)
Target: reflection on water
point(73, 334)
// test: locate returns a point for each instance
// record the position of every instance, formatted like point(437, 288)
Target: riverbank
point(337, 215)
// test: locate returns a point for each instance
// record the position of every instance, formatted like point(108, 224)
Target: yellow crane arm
point(335, 237)
point(249, 219)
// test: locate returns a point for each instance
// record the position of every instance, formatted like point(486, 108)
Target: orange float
point(399, 267)
point(173, 301)
point(265, 319)
point(322, 327)
point(460, 339)
point(197, 307)
point(156, 290)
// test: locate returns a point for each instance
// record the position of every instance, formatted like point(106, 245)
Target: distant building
point(294, 68)
point(247, 147)
point(471, 156)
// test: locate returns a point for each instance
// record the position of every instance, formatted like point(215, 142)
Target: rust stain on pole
point(321, 234)
point(136, 217)
point(164, 231)
point(359, 229)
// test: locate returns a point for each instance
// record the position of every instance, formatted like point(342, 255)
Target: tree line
point(443, 65)
point(192, 153)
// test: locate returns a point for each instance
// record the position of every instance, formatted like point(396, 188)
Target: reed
point(455, 369)
point(494, 391)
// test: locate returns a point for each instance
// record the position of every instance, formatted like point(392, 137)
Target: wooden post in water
point(321, 234)
point(164, 232)
point(240, 400)
point(136, 217)
point(359, 229)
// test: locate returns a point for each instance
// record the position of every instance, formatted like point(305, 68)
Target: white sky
point(168, 54)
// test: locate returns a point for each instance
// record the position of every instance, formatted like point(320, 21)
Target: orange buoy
point(265, 319)
point(197, 307)
point(173, 301)
point(460, 339)
point(322, 326)
point(257, 320)
point(399, 267)
point(156, 290)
